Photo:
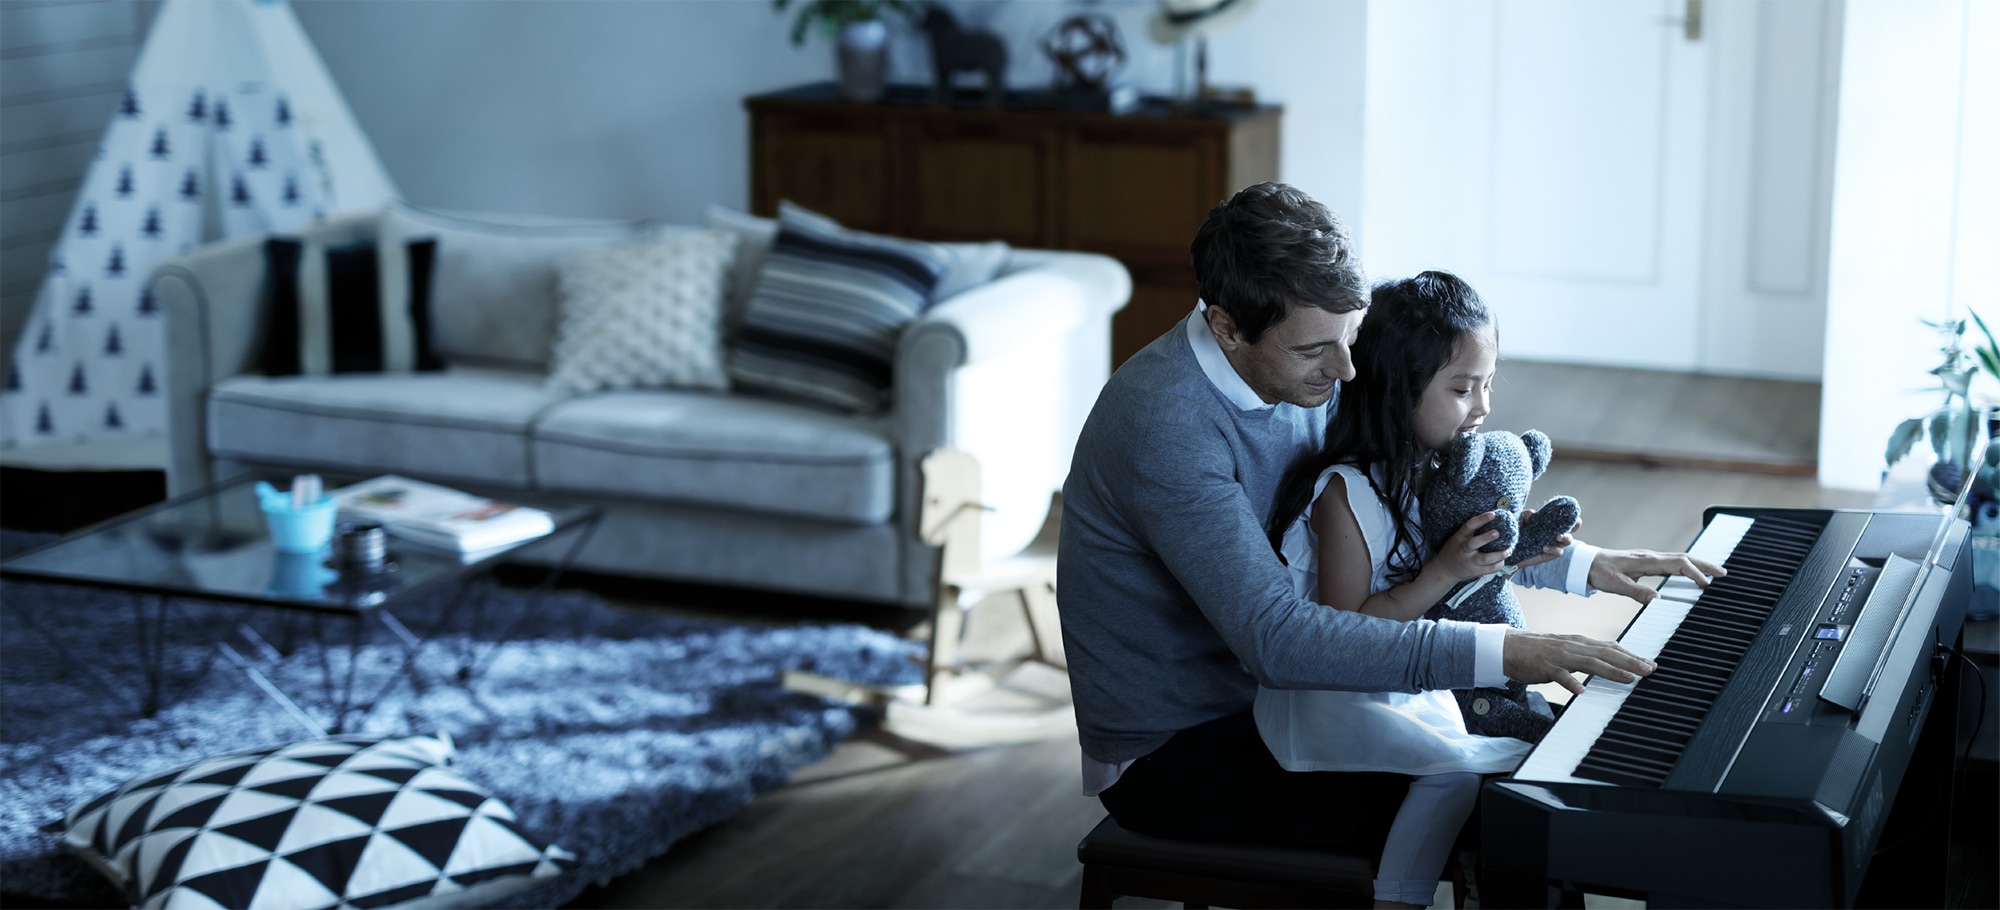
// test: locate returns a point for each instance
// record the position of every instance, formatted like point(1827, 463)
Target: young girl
point(1346, 523)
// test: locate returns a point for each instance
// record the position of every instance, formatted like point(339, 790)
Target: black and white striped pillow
point(827, 309)
point(340, 310)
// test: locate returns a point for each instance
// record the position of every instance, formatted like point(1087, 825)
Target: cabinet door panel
point(1160, 297)
point(982, 183)
point(841, 172)
point(1134, 190)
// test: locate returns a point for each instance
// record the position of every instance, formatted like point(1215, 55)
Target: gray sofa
point(720, 488)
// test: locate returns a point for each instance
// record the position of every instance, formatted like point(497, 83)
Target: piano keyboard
point(1631, 734)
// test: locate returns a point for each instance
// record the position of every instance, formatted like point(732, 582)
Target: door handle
point(1689, 21)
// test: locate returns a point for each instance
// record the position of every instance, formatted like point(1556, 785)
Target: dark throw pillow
point(359, 333)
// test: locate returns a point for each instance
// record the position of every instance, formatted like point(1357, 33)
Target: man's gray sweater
point(1174, 606)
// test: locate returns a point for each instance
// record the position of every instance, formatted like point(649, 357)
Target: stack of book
point(441, 517)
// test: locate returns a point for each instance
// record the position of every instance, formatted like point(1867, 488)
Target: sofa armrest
point(1007, 372)
point(212, 301)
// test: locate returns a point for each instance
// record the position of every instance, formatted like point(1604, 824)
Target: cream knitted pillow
point(643, 315)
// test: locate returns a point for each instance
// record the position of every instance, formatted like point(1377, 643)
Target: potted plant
point(1957, 427)
point(861, 40)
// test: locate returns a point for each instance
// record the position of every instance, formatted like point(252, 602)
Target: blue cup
point(306, 530)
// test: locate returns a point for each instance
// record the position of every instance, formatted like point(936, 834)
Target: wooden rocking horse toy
point(955, 50)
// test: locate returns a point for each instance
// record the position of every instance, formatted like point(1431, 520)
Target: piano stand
point(1911, 860)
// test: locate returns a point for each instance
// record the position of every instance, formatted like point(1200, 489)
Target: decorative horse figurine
point(956, 50)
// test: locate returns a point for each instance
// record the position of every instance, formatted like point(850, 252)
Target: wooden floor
point(876, 825)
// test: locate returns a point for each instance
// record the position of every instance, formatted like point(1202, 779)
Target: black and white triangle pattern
point(325, 823)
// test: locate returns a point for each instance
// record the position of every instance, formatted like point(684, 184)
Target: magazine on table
point(439, 516)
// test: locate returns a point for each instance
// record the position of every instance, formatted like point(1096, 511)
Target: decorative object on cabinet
point(1033, 174)
point(861, 40)
point(957, 50)
point(1180, 20)
point(1086, 51)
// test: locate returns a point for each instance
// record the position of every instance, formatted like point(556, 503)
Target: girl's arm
point(1346, 568)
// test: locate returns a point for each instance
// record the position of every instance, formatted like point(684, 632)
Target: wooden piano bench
point(1120, 863)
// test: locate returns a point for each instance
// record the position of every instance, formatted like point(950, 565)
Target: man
point(1174, 606)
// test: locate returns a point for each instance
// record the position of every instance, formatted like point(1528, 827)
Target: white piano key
point(1716, 542)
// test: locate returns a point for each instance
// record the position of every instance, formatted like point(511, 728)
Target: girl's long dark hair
point(1411, 331)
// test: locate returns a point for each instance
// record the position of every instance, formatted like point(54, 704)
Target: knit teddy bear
point(1491, 472)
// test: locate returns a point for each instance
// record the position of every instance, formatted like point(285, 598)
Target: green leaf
point(1983, 330)
point(1940, 431)
point(1903, 439)
point(1957, 382)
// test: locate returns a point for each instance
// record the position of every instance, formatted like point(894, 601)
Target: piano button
point(1790, 703)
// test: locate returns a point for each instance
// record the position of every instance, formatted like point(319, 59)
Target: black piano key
point(1668, 700)
point(1610, 758)
point(1624, 754)
point(1666, 721)
point(1643, 745)
point(1643, 741)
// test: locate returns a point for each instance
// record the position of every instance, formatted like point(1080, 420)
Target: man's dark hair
point(1271, 247)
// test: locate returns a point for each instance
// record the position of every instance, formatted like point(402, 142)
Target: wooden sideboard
point(1134, 186)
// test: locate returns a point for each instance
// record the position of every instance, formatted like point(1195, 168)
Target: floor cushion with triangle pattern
point(341, 822)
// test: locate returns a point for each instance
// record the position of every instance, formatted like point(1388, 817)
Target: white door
point(1563, 156)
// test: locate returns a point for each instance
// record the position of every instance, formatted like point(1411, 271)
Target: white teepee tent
point(230, 124)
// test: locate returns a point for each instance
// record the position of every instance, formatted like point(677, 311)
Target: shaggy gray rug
point(611, 732)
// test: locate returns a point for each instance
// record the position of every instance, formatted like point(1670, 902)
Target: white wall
point(634, 109)
point(1916, 214)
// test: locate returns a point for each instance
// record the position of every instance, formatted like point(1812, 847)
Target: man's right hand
point(1538, 657)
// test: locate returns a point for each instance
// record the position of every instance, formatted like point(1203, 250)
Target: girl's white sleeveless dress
point(1405, 733)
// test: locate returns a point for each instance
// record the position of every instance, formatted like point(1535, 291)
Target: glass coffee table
point(213, 546)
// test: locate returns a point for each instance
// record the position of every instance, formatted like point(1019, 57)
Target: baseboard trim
point(1702, 462)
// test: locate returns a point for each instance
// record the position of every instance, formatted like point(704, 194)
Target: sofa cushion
point(493, 294)
point(465, 424)
point(643, 315)
point(731, 451)
point(827, 309)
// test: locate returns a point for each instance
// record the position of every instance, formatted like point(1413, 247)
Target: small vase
point(862, 54)
point(1943, 480)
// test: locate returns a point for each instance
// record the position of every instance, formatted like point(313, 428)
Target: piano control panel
point(1819, 646)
